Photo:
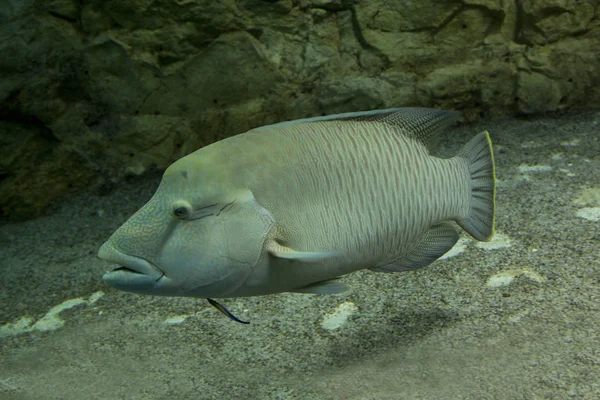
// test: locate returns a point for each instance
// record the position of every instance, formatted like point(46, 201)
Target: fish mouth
point(126, 270)
point(130, 273)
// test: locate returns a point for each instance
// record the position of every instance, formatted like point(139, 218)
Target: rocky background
point(96, 91)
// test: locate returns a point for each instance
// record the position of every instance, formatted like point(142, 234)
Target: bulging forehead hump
point(196, 178)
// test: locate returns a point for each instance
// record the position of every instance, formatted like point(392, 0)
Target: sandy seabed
point(517, 318)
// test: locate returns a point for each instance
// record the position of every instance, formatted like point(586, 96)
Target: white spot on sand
point(590, 213)
point(95, 297)
point(567, 172)
point(523, 178)
point(176, 320)
point(14, 328)
point(534, 168)
point(499, 241)
point(135, 170)
point(339, 316)
point(570, 143)
point(531, 145)
point(505, 278)
point(588, 197)
point(458, 248)
point(49, 322)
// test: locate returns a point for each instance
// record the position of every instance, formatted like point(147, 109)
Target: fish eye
point(182, 210)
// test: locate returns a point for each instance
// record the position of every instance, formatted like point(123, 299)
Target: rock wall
point(92, 91)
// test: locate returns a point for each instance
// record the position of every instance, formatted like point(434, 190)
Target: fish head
point(198, 236)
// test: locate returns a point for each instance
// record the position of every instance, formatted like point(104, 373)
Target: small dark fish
point(225, 311)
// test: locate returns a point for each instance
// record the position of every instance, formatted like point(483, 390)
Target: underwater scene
point(299, 199)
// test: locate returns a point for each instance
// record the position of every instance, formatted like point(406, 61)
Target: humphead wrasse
point(293, 206)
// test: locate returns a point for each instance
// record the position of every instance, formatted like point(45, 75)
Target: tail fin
point(480, 220)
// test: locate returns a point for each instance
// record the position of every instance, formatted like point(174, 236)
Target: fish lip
point(128, 265)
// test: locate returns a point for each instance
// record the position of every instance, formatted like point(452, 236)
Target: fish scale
point(351, 212)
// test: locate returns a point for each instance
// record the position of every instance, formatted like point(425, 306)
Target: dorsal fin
point(423, 124)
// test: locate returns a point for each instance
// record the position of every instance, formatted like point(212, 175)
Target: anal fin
point(435, 243)
point(330, 286)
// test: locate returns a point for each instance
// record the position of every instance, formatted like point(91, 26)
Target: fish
point(225, 311)
point(295, 206)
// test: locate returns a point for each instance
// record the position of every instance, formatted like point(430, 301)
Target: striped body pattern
point(361, 188)
point(293, 206)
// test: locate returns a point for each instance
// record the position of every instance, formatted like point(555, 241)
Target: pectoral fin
point(330, 286)
point(435, 243)
point(277, 250)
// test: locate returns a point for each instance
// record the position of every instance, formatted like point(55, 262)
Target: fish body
point(293, 206)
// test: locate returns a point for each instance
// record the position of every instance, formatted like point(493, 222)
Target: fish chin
point(132, 274)
point(128, 281)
